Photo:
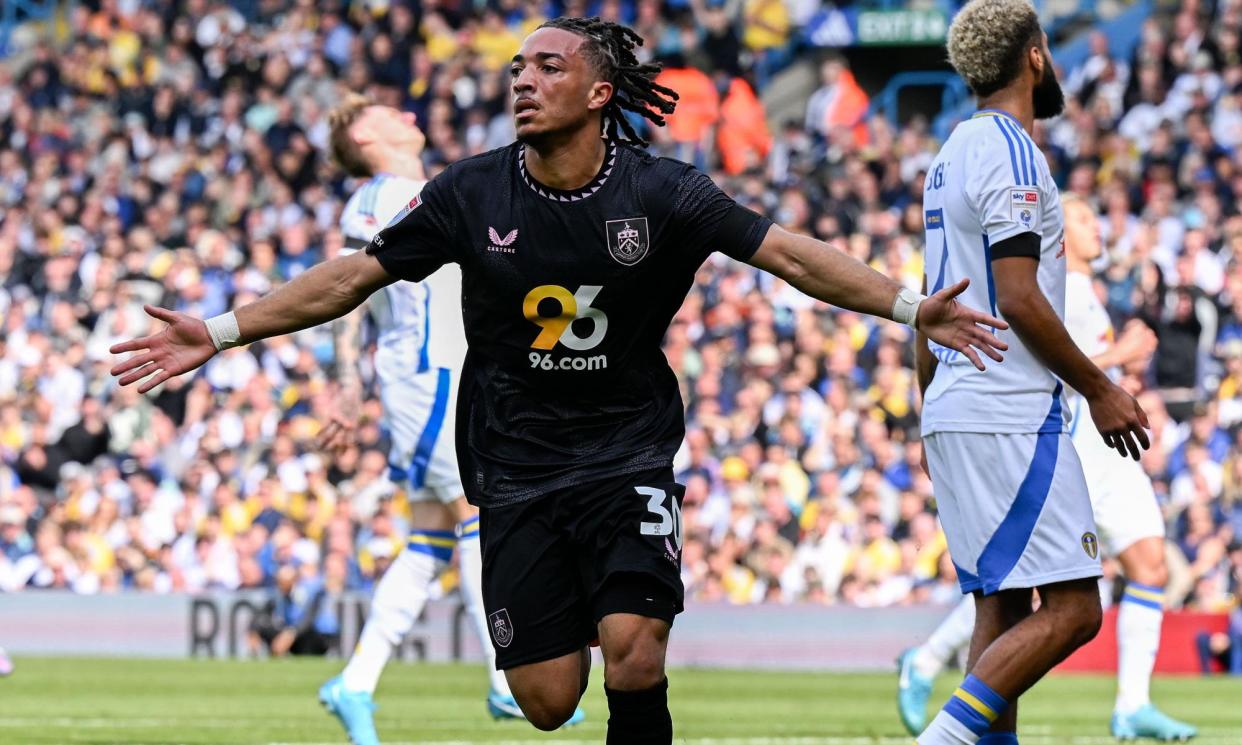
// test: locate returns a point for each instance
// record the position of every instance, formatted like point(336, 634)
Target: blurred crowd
point(174, 154)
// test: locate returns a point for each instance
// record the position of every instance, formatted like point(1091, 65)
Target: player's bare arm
point(830, 275)
point(320, 294)
point(1118, 417)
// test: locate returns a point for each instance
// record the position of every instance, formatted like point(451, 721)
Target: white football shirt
point(989, 183)
point(1086, 318)
point(419, 323)
point(1089, 326)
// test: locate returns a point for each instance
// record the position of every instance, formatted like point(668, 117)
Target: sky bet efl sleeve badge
point(628, 239)
point(1024, 207)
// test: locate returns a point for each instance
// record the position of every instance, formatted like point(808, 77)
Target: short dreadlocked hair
point(609, 48)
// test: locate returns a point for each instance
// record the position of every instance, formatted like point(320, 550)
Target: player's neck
point(400, 163)
point(1074, 265)
point(1018, 104)
point(567, 165)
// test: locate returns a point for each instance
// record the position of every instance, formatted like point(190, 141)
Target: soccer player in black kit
point(576, 249)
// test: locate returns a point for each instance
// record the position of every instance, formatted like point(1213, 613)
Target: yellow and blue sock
point(967, 717)
point(1138, 640)
point(1148, 596)
point(975, 705)
point(438, 544)
point(468, 528)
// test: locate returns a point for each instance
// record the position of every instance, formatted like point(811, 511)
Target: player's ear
point(600, 95)
point(1038, 59)
point(360, 134)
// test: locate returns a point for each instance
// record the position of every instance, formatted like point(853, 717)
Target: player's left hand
point(1121, 421)
point(949, 323)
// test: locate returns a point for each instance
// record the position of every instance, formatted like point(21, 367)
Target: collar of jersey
point(560, 195)
point(998, 112)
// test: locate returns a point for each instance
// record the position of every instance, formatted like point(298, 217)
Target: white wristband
point(906, 307)
point(224, 331)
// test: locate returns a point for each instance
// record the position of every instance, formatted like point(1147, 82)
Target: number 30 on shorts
point(668, 519)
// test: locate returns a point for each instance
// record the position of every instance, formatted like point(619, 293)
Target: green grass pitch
point(143, 702)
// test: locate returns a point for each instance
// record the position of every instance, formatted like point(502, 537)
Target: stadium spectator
point(300, 618)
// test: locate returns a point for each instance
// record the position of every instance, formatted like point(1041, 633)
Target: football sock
point(999, 738)
point(639, 717)
point(947, 641)
point(471, 556)
point(967, 716)
point(1138, 639)
point(397, 604)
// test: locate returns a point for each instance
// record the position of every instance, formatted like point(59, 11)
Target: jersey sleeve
point(709, 220)
point(1000, 191)
point(394, 196)
point(357, 228)
point(420, 238)
point(373, 207)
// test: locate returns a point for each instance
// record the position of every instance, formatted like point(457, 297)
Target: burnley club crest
point(501, 627)
point(628, 239)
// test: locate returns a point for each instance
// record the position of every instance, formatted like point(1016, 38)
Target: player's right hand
point(949, 323)
point(1121, 421)
point(1137, 342)
point(181, 346)
point(338, 433)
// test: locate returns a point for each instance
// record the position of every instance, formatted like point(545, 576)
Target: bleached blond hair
point(987, 40)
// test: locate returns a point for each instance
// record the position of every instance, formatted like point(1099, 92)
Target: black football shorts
point(554, 566)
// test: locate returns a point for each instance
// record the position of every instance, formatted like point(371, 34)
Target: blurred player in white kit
point(420, 347)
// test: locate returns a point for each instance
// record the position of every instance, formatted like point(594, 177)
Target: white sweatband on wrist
point(224, 331)
point(906, 307)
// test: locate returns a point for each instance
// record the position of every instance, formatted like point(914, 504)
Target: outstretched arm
point(323, 293)
point(826, 274)
point(318, 295)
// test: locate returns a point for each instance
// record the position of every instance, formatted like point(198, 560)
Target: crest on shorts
point(502, 627)
point(628, 239)
point(1090, 544)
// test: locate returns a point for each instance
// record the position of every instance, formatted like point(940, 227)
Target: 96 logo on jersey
point(558, 328)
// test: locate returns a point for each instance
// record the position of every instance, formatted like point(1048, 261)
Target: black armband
point(1023, 244)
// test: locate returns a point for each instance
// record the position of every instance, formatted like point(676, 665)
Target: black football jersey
point(566, 297)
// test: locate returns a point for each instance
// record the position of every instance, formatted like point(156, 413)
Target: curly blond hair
point(987, 40)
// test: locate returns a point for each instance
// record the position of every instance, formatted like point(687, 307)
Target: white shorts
point(1122, 498)
point(420, 414)
point(1014, 508)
